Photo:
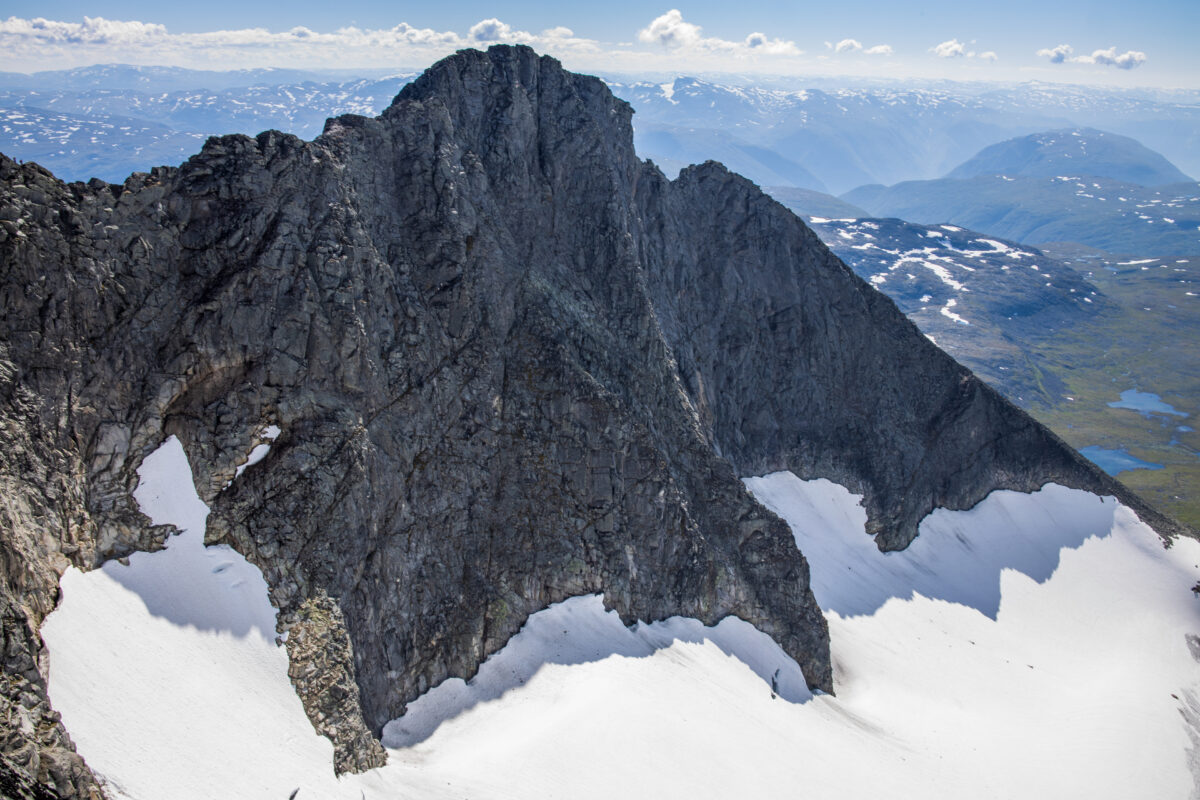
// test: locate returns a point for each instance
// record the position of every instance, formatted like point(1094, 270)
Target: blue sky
point(1114, 42)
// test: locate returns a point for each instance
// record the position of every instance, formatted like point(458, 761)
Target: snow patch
point(1067, 683)
point(946, 312)
point(580, 631)
point(999, 247)
point(1034, 646)
point(166, 668)
point(259, 452)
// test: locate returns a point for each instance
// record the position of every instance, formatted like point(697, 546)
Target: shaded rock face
point(797, 364)
point(511, 364)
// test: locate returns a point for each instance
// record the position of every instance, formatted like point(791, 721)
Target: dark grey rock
point(511, 364)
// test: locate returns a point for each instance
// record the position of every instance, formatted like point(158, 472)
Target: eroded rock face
point(511, 364)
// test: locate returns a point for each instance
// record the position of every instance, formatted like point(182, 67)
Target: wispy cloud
point(847, 45)
point(879, 50)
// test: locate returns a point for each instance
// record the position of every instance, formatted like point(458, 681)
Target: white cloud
point(855, 46)
point(93, 30)
point(1127, 60)
point(952, 48)
point(672, 31)
point(1057, 55)
point(27, 44)
point(34, 40)
point(488, 31)
point(1110, 58)
point(759, 43)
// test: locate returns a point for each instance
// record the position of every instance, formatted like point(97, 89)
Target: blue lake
point(1146, 403)
point(1115, 461)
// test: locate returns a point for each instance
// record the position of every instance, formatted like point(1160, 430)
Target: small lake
point(1115, 461)
point(1145, 403)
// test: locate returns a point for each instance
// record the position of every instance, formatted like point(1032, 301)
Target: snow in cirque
point(1040, 645)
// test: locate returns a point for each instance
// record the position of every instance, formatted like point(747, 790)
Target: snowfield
point(1038, 645)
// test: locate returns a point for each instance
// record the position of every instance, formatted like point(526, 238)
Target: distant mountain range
point(1063, 334)
point(984, 300)
point(111, 121)
point(845, 137)
point(849, 136)
point(1100, 212)
point(105, 146)
point(121, 77)
point(1078, 151)
point(805, 133)
point(1071, 185)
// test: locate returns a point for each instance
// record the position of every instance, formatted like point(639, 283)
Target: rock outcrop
point(510, 362)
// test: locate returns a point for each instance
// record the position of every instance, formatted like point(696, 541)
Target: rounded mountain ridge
point(1073, 152)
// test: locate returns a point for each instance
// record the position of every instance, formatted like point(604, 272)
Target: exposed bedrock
point(511, 364)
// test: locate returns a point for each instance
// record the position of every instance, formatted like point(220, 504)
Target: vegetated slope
point(1145, 347)
point(985, 301)
point(1111, 215)
point(1040, 328)
point(1073, 151)
point(509, 363)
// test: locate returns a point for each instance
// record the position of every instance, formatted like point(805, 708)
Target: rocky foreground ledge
point(510, 364)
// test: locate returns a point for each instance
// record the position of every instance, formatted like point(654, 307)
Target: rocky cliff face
point(511, 363)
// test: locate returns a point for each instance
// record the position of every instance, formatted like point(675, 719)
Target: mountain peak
point(1073, 151)
point(505, 362)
